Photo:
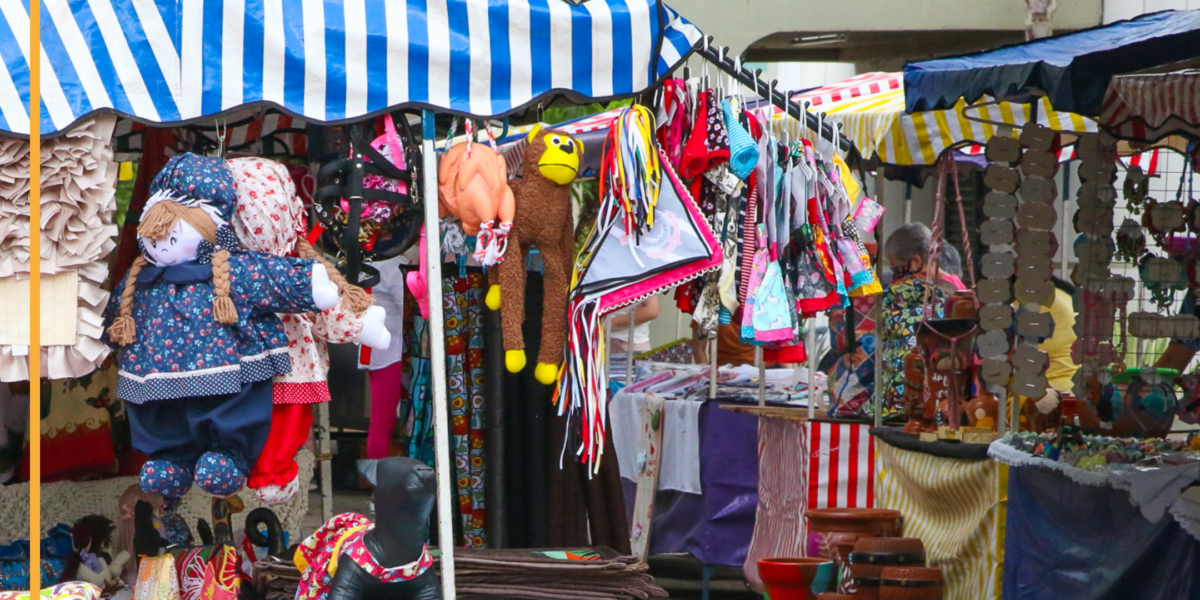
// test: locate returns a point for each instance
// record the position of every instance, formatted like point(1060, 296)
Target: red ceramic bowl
point(791, 578)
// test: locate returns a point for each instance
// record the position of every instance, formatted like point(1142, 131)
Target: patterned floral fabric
point(852, 384)
point(270, 218)
point(201, 571)
point(157, 579)
point(903, 307)
point(73, 590)
point(463, 304)
point(180, 346)
point(342, 537)
point(415, 377)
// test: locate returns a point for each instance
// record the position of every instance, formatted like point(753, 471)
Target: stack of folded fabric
point(275, 579)
point(599, 574)
point(586, 574)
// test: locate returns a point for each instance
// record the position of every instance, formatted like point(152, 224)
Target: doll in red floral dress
point(270, 218)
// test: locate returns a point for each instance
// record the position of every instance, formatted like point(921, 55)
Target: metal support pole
point(325, 460)
point(877, 309)
point(762, 376)
point(811, 342)
point(712, 369)
point(437, 353)
point(629, 347)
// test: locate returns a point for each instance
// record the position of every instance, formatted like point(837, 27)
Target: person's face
point(912, 265)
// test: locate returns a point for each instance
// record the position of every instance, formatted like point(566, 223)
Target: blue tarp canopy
point(329, 61)
point(1072, 70)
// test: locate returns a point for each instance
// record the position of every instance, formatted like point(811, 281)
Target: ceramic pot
point(829, 527)
point(828, 596)
point(798, 578)
point(961, 305)
point(911, 583)
point(983, 410)
point(872, 555)
point(841, 558)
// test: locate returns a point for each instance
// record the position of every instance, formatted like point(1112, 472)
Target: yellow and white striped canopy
point(870, 109)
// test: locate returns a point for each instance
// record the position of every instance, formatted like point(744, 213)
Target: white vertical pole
point(325, 460)
point(712, 369)
point(811, 342)
point(762, 376)
point(437, 354)
point(629, 347)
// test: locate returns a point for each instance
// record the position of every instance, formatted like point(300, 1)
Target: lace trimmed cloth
point(1154, 491)
point(69, 501)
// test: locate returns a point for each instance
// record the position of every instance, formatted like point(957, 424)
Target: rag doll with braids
point(270, 219)
point(195, 320)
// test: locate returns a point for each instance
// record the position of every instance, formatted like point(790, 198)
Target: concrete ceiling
point(790, 30)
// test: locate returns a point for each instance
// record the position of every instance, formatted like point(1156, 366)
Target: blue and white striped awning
point(171, 61)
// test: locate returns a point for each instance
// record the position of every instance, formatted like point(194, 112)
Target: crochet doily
point(68, 501)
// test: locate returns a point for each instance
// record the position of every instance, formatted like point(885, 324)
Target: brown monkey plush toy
point(543, 219)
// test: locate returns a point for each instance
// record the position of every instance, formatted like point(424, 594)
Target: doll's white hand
point(324, 291)
point(374, 332)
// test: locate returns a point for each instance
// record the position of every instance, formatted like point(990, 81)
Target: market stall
point(1118, 389)
point(324, 67)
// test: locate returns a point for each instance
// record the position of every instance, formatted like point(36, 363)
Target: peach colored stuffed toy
point(473, 186)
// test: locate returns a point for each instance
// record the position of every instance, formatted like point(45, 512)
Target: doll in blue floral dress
point(200, 341)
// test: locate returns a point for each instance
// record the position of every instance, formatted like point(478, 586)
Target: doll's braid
point(223, 309)
point(354, 299)
point(123, 329)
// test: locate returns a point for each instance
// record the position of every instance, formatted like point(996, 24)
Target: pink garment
point(958, 283)
point(385, 397)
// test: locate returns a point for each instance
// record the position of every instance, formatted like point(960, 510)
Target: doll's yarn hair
point(157, 224)
point(354, 298)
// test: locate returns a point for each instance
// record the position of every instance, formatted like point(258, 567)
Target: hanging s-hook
point(222, 128)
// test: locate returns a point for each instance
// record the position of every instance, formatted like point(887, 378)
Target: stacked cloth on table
point(276, 579)
point(593, 573)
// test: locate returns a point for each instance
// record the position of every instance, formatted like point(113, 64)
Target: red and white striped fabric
point(803, 466)
point(867, 84)
point(841, 471)
point(595, 122)
point(1151, 107)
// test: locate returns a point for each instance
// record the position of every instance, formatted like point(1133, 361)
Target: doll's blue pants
point(183, 429)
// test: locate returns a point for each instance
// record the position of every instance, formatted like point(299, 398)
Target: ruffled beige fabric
point(14, 237)
point(79, 178)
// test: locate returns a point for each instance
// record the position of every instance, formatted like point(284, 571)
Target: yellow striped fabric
point(870, 108)
point(957, 508)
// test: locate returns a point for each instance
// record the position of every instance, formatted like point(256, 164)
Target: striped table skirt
point(956, 507)
point(803, 466)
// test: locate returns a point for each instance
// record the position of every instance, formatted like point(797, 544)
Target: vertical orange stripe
point(35, 298)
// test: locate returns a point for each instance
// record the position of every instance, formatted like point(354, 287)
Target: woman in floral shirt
point(903, 303)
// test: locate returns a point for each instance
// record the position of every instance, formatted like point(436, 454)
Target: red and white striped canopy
point(1151, 107)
